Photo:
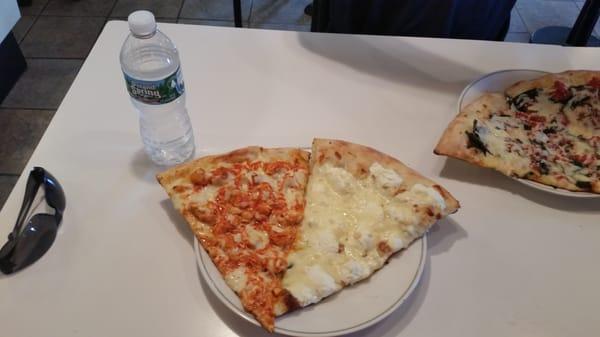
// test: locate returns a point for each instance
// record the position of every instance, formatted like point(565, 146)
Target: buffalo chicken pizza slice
point(362, 206)
point(546, 130)
point(244, 208)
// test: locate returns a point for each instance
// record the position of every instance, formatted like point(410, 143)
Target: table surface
point(513, 261)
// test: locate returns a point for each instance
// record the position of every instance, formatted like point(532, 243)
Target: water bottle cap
point(142, 23)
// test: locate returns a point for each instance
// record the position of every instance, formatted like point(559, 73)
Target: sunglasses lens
point(6, 252)
point(54, 192)
point(33, 242)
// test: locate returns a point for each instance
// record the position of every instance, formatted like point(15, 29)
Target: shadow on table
point(443, 235)
point(390, 326)
point(178, 221)
point(459, 170)
point(396, 60)
point(143, 168)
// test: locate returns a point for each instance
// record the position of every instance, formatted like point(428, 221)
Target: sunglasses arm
point(30, 190)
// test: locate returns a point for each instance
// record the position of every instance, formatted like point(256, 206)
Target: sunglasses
point(28, 242)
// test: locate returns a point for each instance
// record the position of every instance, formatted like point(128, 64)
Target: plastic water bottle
point(150, 64)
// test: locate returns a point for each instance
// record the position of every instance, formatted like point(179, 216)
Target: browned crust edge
point(570, 77)
point(249, 153)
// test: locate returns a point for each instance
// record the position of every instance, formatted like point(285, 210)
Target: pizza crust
point(570, 78)
point(250, 153)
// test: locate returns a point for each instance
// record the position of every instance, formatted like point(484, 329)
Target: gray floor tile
point(6, 185)
point(281, 26)
point(23, 130)
point(79, 8)
point(213, 9)
point(517, 37)
point(22, 27)
point(541, 13)
point(43, 85)
point(516, 23)
point(35, 8)
point(221, 23)
point(279, 11)
point(160, 8)
point(597, 28)
point(62, 37)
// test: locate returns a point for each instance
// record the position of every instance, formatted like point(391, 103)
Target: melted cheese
point(425, 195)
point(402, 213)
point(492, 137)
point(236, 279)
point(495, 133)
point(344, 222)
point(207, 193)
point(385, 178)
point(261, 177)
point(258, 239)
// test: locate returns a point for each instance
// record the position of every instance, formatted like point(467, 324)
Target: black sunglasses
point(27, 244)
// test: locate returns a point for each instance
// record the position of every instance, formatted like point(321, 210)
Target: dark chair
point(581, 33)
point(237, 13)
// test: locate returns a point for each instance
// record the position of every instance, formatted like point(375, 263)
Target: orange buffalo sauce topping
point(248, 201)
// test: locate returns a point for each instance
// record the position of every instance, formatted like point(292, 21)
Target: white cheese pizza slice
point(362, 206)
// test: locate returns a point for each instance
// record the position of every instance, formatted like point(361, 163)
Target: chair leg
point(237, 13)
point(320, 16)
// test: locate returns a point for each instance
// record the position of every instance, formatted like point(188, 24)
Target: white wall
point(9, 14)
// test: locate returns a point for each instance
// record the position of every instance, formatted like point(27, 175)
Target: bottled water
point(150, 64)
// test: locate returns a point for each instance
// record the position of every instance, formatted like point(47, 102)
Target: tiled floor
point(57, 35)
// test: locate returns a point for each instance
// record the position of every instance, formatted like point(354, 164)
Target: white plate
point(498, 82)
point(377, 297)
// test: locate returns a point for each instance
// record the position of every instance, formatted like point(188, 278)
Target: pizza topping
point(474, 140)
point(579, 101)
point(523, 101)
point(561, 94)
point(362, 217)
point(594, 83)
point(198, 178)
point(425, 195)
point(402, 213)
point(385, 178)
point(586, 185)
point(541, 167)
point(237, 279)
point(245, 213)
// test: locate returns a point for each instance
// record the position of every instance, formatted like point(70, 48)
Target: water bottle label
point(156, 92)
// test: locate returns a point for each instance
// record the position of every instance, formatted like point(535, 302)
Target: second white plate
point(377, 297)
point(497, 82)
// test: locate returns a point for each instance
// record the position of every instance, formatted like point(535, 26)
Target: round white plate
point(497, 82)
point(377, 297)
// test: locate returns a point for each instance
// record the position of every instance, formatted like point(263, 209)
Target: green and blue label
point(156, 92)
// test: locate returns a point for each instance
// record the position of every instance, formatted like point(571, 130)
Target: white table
point(512, 262)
